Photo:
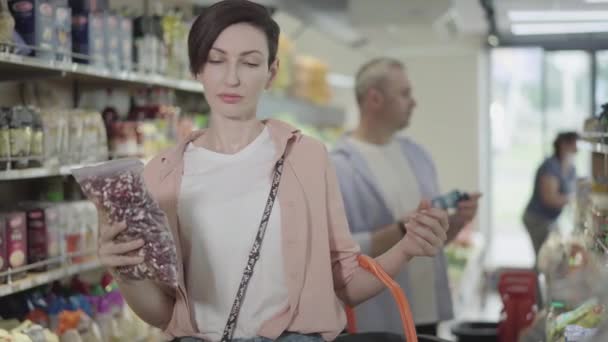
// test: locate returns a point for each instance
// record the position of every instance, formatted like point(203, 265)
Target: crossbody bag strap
point(254, 254)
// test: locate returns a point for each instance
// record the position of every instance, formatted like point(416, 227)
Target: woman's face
point(237, 72)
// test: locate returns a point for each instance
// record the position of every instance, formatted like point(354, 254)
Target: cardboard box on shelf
point(16, 240)
point(112, 41)
point(89, 6)
point(88, 38)
point(35, 23)
point(126, 43)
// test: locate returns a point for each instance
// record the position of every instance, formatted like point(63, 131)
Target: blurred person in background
point(383, 178)
point(554, 184)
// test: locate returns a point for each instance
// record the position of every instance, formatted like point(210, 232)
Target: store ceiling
point(550, 17)
point(361, 29)
point(345, 33)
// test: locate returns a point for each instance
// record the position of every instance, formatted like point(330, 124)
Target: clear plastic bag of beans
point(118, 190)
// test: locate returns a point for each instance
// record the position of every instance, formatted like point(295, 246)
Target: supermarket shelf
point(18, 68)
point(39, 172)
point(15, 67)
point(42, 172)
point(591, 141)
point(37, 279)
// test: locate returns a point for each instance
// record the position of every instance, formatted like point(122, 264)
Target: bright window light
point(545, 16)
point(558, 28)
point(596, 1)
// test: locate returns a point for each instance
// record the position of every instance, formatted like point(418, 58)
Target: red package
point(16, 240)
point(117, 188)
point(43, 229)
point(37, 241)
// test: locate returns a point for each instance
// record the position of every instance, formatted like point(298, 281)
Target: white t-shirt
point(220, 206)
point(399, 188)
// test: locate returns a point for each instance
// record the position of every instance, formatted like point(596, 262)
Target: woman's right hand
point(427, 229)
point(112, 254)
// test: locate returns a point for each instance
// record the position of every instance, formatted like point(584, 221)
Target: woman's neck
point(229, 136)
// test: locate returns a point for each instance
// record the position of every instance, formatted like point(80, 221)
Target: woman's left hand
point(426, 231)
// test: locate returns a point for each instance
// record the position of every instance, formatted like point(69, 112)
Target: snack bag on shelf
point(556, 327)
point(33, 331)
point(118, 190)
point(5, 336)
point(71, 335)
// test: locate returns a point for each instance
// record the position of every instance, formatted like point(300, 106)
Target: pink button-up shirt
point(320, 254)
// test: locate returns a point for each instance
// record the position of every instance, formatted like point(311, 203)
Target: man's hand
point(467, 209)
point(426, 231)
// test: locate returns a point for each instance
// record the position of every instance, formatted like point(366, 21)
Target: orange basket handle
point(405, 311)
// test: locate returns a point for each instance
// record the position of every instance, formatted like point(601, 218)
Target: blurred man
point(383, 178)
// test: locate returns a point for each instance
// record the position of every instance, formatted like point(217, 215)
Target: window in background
point(516, 124)
point(568, 102)
point(601, 85)
point(535, 95)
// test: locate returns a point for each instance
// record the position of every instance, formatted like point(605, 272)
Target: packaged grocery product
point(37, 144)
point(39, 317)
point(106, 321)
point(63, 33)
point(33, 331)
point(20, 337)
point(5, 336)
point(44, 232)
point(3, 249)
point(124, 140)
point(5, 131)
point(99, 149)
point(16, 240)
point(126, 42)
point(88, 38)
point(119, 192)
point(74, 231)
point(89, 222)
point(76, 122)
point(38, 238)
point(50, 336)
point(588, 315)
point(34, 21)
point(20, 135)
point(7, 24)
point(71, 335)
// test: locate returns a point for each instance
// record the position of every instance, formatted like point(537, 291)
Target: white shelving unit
point(592, 142)
point(39, 172)
point(32, 280)
point(13, 67)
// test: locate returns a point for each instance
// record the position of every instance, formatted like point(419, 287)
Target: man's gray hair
point(373, 73)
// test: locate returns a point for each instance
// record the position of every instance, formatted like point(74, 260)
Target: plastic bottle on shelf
point(161, 47)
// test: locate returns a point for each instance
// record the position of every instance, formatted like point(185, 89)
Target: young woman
point(554, 184)
point(214, 187)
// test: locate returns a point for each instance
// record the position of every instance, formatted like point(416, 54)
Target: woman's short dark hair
point(562, 139)
point(217, 17)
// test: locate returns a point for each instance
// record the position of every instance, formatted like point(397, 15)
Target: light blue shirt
point(366, 210)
